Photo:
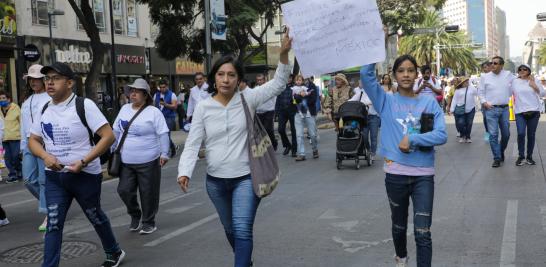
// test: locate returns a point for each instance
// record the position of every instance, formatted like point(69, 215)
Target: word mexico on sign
point(73, 55)
point(353, 30)
point(31, 53)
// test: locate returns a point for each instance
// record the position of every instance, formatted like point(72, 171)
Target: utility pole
point(208, 48)
point(115, 101)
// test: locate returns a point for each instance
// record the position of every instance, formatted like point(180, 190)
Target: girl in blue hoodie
point(407, 147)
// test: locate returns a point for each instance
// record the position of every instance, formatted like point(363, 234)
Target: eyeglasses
point(54, 78)
point(523, 69)
point(496, 63)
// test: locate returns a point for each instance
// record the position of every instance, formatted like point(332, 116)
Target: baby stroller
point(354, 115)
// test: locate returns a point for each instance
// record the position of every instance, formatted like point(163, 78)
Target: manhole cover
point(34, 253)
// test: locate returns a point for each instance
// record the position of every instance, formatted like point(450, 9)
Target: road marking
point(329, 214)
point(183, 209)
point(515, 151)
point(13, 193)
point(347, 226)
point(19, 203)
point(508, 249)
point(543, 213)
point(181, 230)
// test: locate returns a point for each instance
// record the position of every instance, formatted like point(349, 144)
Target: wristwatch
point(84, 164)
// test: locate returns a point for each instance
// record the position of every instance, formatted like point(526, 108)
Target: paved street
point(320, 216)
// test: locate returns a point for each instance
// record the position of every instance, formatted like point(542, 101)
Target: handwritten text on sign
point(332, 35)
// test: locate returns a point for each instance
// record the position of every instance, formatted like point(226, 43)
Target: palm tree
point(421, 46)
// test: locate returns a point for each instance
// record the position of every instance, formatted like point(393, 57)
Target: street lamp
point(50, 13)
point(541, 16)
point(448, 29)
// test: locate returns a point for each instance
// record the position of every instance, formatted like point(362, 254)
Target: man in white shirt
point(495, 91)
point(428, 85)
point(266, 112)
point(73, 169)
point(198, 93)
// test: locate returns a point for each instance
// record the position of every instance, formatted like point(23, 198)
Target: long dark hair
point(224, 60)
point(28, 89)
point(383, 78)
point(401, 59)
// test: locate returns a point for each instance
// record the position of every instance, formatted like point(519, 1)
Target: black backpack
point(93, 138)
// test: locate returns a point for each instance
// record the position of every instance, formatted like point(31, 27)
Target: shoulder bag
point(114, 164)
point(461, 110)
point(264, 168)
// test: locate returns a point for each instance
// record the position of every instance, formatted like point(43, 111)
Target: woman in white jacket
point(220, 120)
point(527, 92)
point(463, 106)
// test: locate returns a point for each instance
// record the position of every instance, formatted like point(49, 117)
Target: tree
point(87, 19)
point(404, 15)
point(542, 55)
point(422, 46)
point(178, 35)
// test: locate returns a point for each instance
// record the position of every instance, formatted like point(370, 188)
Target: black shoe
point(294, 154)
point(11, 180)
point(496, 164)
point(135, 225)
point(520, 162)
point(114, 260)
point(315, 154)
point(286, 151)
point(502, 157)
point(530, 161)
point(147, 229)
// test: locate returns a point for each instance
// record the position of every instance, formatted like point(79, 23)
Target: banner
point(218, 20)
point(340, 34)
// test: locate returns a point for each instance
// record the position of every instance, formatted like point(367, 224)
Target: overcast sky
point(520, 19)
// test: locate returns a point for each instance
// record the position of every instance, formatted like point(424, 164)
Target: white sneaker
point(461, 140)
point(401, 262)
point(4, 222)
point(468, 140)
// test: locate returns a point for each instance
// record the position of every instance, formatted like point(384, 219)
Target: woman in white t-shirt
point(144, 152)
point(220, 120)
point(463, 106)
point(527, 92)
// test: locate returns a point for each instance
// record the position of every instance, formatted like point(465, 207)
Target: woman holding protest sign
point(413, 125)
point(222, 118)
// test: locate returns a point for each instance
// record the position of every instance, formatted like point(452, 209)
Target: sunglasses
point(496, 63)
point(524, 69)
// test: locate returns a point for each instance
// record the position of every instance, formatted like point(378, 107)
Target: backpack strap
point(80, 109)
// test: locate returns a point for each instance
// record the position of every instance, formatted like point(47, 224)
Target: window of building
point(98, 12)
point(39, 12)
point(132, 23)
point(118, 6)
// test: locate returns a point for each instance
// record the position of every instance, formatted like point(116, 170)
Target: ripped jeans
point(61, 189)
point(400, 188)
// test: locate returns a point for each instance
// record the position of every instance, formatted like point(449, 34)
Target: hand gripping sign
point(332, 35)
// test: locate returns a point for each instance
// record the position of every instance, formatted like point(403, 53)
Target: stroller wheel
point(357, 162)
point(338, 163)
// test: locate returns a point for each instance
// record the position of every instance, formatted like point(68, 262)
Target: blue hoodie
point(395, 112)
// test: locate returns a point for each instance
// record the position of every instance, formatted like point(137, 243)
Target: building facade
point(536, 38)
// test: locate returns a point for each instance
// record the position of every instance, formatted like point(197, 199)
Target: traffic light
point(452, 28)
point(541, 16)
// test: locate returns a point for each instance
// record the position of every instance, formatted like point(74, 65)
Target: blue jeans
point(34, 177)
point(171, 124)
point(498, 118)
point(236, 204)
point(370, 132)
point(464, 123)
point(301, 122)
point(11, 153)
point(529, 123)
point(61, 189)
point(400, 188)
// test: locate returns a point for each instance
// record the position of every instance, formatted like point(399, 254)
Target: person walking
point(429, 85)
point(144, 151)
point(486, 68)
point(33, 168)
point(3, 218)
point(338, 95)
point(228, 182)
point(180, 107)
point(495, 91)
point(371, 130)
point(11, 114)
point(387, 84)
point(266, 112)
point(305, 117)
point(286, 110)
point(407, 146)
point(61, 137)
point(527, 92)
point(463, 106)
point(165, 100)
point(198, 93)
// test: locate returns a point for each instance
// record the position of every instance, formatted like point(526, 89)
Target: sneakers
point(468, 140)
point(520, 162)
point(114, 260)
point(135, 225)
point(43, 227)
point(496, 164)
point(315, 154)
point(530, 161)
point(4, 222)
point(486, 137)
point(401, 262)
point(461, 140)
point(147, 229)
point(11, 180)
point(300, 158)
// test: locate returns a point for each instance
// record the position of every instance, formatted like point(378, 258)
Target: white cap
point(34, 72)
point(141, 84)
point(525, 65)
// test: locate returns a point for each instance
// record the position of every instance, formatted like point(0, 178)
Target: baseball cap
point(34, 72)
point(525, 66)
point(141, 84)
point(61, 68)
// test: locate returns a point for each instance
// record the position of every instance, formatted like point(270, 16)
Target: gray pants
point(146, 178)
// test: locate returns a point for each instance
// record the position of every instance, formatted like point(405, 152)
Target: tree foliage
point(181, 27)
point(422, 46)
point(404, 15)
point(87, 19)
point(542, 55)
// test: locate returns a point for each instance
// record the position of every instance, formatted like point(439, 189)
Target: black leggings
point(2, 213)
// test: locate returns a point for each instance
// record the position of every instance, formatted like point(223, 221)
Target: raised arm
point(374, 91)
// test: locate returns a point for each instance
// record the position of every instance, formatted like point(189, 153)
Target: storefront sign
point(73, 55)
point(130, 59)
point(8, 24)
point(186, 67)
point(31, 53)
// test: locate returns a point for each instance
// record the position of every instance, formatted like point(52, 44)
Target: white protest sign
point(332, 35)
